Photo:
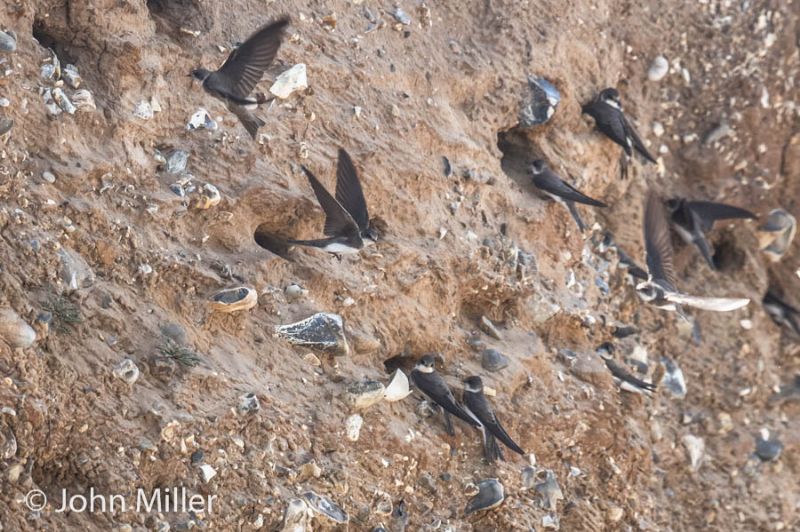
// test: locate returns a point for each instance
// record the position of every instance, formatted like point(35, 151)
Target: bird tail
point(573, 210)
point(646, 154)
point(312, 243)
point(491, 450)
point(503, 436)
point(705, 250)
point(250, 121)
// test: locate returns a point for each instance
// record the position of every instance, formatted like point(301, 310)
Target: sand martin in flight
point(627, 380)
point(347, 223)
point(244, 68)
point(659, 288)
point(781, 312)
point(693, 219)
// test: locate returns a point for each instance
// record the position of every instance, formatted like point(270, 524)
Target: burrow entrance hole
point(519, 151)
point(266, 237)
point(727, 255)
point(178, 18)
point(49, 37)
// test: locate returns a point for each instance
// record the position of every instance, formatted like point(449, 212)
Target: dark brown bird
point(427, 379)
point(347, 223)
point(606, 109)
point(548, 182)
point(476, 404)
point(659, 288)
point(241, 72)
point(693, 219)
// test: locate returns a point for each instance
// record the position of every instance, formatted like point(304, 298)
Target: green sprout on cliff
point(64, 313)
point(175, 352)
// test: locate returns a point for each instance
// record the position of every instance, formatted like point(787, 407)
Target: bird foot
point(623, 165)
point(448, 425)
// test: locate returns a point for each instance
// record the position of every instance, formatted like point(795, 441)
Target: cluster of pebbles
point(62, 92)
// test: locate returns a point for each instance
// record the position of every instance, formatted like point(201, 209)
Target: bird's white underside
point(339, 248)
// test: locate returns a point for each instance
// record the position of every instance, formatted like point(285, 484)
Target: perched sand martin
point(627, 380)
point(425, 377)
point(693, 219)
point(347, 223)
point(476, 404)
point(659, 288)
point(241, 72)
point(781, 312)
point(547, 181)
point(606, 109)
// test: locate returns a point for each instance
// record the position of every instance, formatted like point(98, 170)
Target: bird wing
point(245, 66)
point(708, 212)
point(624, 375)
point(434, 387)
point(612, 123)
point(479, 405)
point(699, 240)
point(550, 182)
point(348, 190)
point(658, 245)
point(630, 131)
point(718, 304)
point(337, 220)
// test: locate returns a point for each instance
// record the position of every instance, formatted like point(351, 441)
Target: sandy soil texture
point(104, 259)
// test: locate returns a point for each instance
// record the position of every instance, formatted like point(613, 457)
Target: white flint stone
point(695, 448)
point(353, 425)
point(201, 119)
point(207, 472)
point(14, 330)
point(658, 69)
point(126, 371)
point(83, 100)
point(289, 81)
point(143, 110)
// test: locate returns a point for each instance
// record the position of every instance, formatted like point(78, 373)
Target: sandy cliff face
point(93, 233)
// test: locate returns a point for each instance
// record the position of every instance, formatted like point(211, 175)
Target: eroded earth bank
point(107, 252)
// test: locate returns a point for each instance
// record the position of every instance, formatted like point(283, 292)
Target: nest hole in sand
point(728, 257)
point(268, 237)
point(48, 36)
point(179, 18)
point(519, 150)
